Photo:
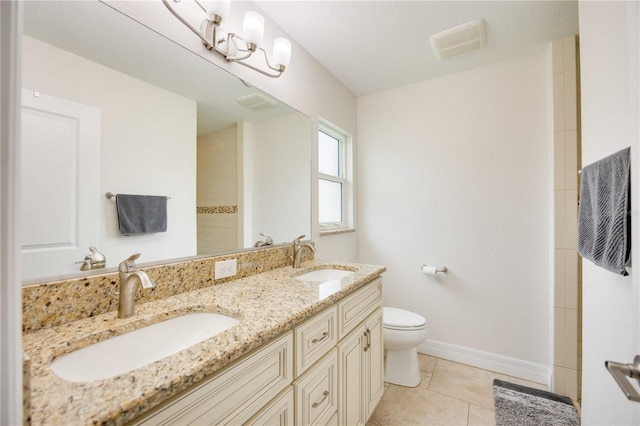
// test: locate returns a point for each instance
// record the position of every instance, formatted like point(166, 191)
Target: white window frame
point(345, 173)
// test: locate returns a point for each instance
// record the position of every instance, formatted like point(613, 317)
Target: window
point(333, 184)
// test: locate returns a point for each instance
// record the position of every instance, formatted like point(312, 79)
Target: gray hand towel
point(604, 225)
point(141, 214)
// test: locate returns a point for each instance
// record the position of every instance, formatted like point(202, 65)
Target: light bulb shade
point(253, 28)
point(219, 8)
point(281, 52)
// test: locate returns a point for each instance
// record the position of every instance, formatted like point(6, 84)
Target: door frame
point(11, 402)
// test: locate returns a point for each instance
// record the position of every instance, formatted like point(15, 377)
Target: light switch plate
point(226, 268)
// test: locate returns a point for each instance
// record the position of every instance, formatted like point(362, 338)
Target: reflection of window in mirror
point(334, 177)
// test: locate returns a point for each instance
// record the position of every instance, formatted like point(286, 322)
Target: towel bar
point(110, 195)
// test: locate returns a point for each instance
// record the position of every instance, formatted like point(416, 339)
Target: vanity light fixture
point(230, 45)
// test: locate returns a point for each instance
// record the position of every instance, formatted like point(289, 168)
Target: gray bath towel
point(604, 225)
point(141, 214)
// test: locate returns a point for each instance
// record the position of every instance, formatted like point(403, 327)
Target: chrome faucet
point(298, 248)
point(128, 277)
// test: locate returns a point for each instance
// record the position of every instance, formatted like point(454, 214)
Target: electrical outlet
point(226, 268)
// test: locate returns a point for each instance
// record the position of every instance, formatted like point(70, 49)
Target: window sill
point(336, 232)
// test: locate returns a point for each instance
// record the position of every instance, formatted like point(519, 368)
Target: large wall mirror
point(112, 106)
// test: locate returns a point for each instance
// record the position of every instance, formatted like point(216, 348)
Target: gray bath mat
point(518, 405)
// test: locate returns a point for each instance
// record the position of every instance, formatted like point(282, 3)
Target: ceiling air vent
point(256, 101)
point(459, 40)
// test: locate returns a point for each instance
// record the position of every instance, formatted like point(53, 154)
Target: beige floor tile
point(464, 382)
point(427, 365)
point(449, 394)
point(386, 388)
point(480, 416)
point(418, 406)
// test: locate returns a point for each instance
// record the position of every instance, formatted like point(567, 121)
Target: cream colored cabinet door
point(314, 338)
point(373, 363)
point(351, 370)
point(361, 371)
point(353, 309)
point(278, 412)
point(233, 396)
point(316, 393)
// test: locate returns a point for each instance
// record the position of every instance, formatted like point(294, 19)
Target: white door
point(60, 184)
point(609, 75)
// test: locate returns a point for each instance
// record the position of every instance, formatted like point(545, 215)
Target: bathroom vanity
point(328, 370)
point(304, 352)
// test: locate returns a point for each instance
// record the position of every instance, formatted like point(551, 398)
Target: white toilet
point(403, 332)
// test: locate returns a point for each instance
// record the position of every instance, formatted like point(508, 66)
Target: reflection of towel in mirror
point(141, 214)
point(604, 223)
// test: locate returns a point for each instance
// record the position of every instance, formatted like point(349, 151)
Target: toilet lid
point(395, 317)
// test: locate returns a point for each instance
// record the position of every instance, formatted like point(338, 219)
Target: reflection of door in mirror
point(60, 171)
point(147, 147)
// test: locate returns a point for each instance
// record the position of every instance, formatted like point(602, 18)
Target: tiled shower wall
point(217, 191)
point(568, 279)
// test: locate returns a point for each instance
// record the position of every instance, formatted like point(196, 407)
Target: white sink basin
point(322, 275)
point(140, 347)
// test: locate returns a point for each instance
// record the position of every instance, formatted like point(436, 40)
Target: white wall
point(280, 200)
point(609, 78)
point(306, 86)
point(152, 153)
point(456, 172)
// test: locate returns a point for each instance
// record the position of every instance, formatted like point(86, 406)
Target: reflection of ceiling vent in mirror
point(459, 40)
point(256, 101)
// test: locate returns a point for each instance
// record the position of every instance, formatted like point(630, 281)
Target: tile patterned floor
point(449, 394)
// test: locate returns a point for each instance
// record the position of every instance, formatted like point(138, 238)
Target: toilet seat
point(399, 319)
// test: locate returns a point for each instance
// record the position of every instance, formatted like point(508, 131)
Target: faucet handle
point(96, 256)
point(129, 263)
point(94, 260)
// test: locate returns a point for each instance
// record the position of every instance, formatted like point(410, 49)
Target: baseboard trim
point(514, 367)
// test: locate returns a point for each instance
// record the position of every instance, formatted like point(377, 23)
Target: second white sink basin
point(126, 352)
point(322, 275)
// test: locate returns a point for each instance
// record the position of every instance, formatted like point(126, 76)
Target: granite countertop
point(268, 304)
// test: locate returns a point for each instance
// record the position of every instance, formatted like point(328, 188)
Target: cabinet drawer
point(356, 307)
point(316, 393)
point(314, 338)
point(278, 412)
point(234, 395)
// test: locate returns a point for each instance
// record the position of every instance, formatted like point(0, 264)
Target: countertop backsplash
point(53, 303)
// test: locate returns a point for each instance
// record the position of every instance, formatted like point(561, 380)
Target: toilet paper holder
point(433, 270)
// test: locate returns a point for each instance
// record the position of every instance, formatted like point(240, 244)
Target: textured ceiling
point(371, 46)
